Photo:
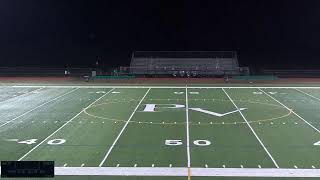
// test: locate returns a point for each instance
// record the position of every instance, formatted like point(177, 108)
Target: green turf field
point(176, 131)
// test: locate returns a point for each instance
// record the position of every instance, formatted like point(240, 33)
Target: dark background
point(56, 33)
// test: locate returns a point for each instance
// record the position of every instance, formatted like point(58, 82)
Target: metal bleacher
point(190, 63)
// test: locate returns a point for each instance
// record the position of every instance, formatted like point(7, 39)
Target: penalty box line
point(290, 110)
point(254, 133)
point(122, 130)
point(63, 125)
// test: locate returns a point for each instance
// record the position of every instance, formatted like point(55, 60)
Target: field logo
point(215, 113)
point(154, 107)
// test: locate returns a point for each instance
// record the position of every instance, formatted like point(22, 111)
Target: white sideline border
point(168, 87)
point(149, 171)
point(183, 171)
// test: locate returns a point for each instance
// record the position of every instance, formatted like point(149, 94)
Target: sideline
point(170, 87)
point(163, 171)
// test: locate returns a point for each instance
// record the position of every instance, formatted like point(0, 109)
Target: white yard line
point(187, 126)
point(37, 107)
point(291, 111)
point(124, 127)
point(183, 172)
point(63, 125)
point(23, 94)
point(169, 87)
point(257, 137)
point(307, 94)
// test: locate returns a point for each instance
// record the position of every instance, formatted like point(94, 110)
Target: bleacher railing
point(185, 70)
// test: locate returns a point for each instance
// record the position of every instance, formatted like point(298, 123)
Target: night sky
point(269, 33)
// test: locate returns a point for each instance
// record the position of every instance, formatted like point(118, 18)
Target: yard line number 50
point(178, 142)
point(200, 142)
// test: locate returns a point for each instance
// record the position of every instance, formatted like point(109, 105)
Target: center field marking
point(187, 126)
point(152, 106)
point(216, 114)
point(38, 107)
point(274, 162)
point(124, 127)
point(183, 123)
point(292, 111)
point(63, 125)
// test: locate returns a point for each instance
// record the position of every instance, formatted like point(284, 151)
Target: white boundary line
point(291, 111)
point(63, 125)
point(307, 94)
point(124, 127)
point(187, 126)
point(169, 87)
point(38, 107)
point(274, 162)
point(183, 172)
